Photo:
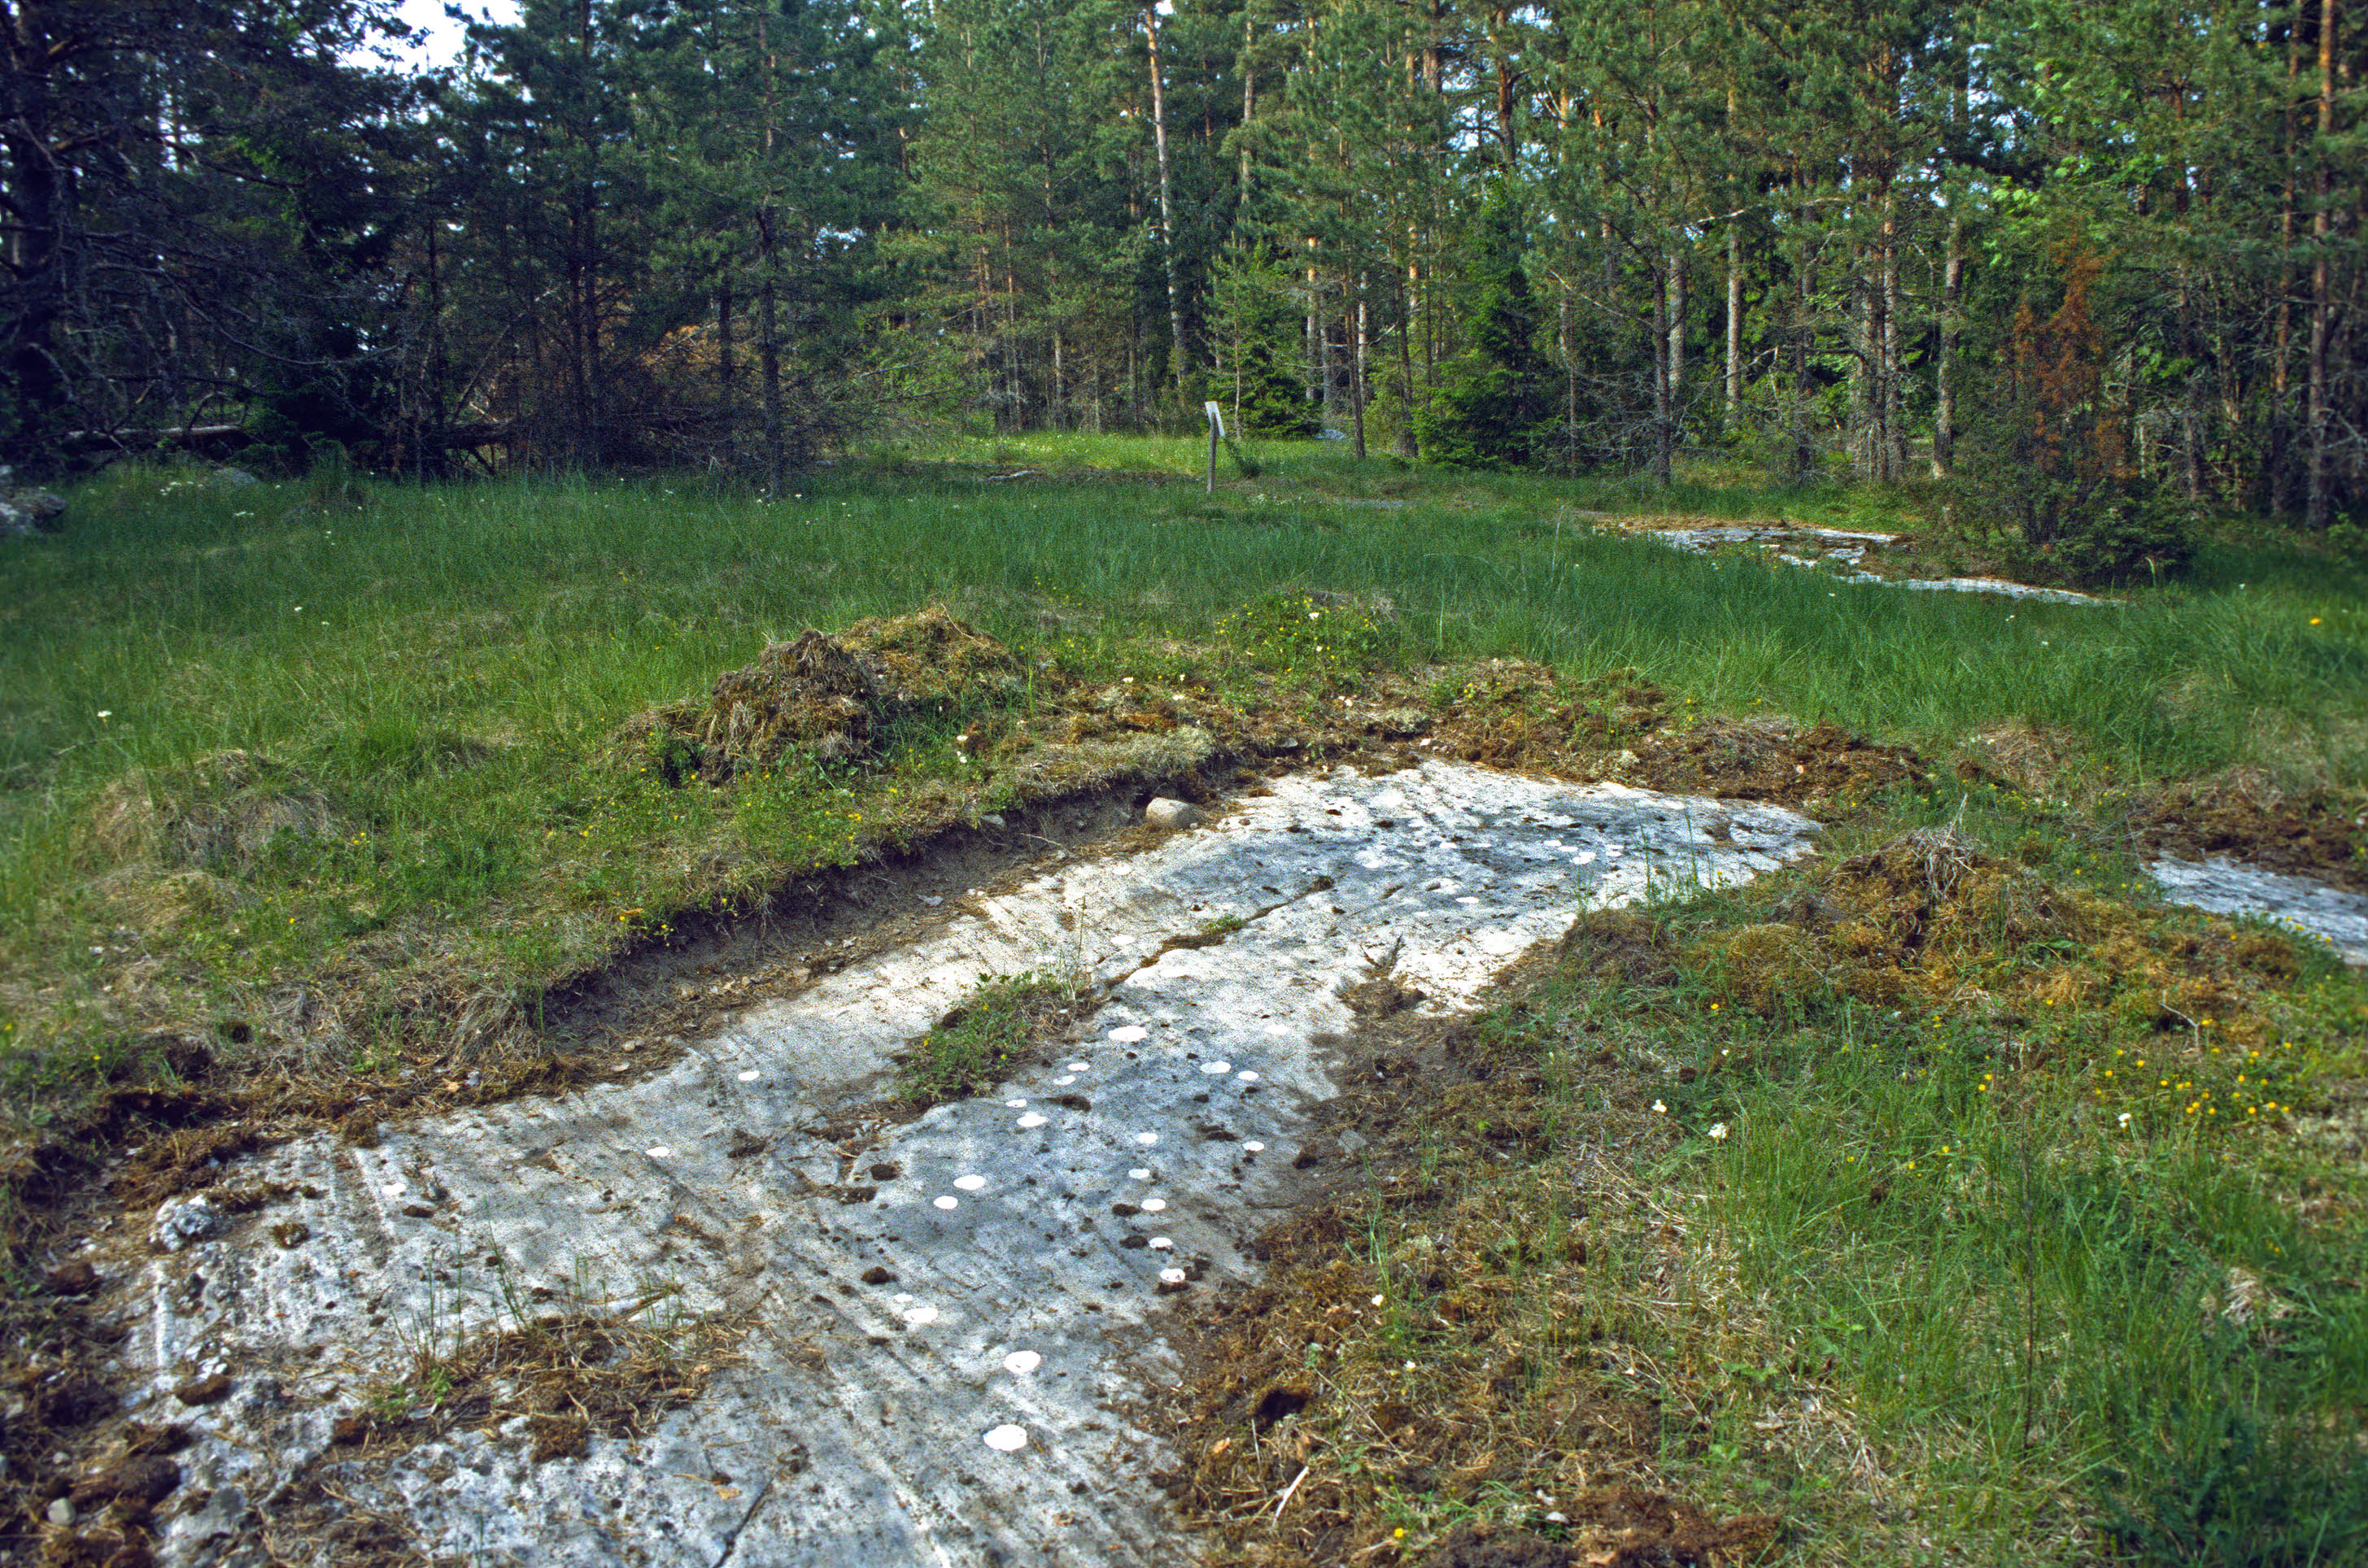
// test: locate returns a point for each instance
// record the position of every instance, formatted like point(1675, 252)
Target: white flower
point(1660, 1109)
point(1718, 1132)
point(2122, 1120)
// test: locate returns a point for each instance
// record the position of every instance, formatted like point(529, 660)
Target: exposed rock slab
point(1847, 548)
point(2222, 886)
point(977, 1406)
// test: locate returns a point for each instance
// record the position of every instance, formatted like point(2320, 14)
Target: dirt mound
point(2312, 834)
point(932, 660)
point(221, 811)
point(832, 699)
point(1770, 759)
point(1512, 714)
point(1928, 920)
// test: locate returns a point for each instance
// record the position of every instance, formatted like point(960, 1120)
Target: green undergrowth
point(345, 769)
point(1948, 1238)
point(989, 1037)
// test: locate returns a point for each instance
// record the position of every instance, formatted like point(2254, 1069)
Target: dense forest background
point(2096, 263)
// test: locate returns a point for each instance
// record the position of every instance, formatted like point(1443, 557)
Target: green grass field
point(431, 683)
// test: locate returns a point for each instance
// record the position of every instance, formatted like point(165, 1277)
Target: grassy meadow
point(2025, 1345)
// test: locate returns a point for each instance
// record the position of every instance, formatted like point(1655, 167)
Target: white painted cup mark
point(1254, 1148)
point(1162, 1244)
point(1008, 1439)
point(1216, 1069)
point(918, 1317)
point(970, 1183)
point(1065, 1080)
point(1171, 1277)
point(751, 1076)
point(1247, 1077)
point(1031, 1120)
point(660, 1151)
point(1022, 1362)
point(1153, 1205)
point(947, 1202)
point(1147, 1139)
point(1016, 1104)
point(1140, 1173)
point(1080, 1067)
point(1129, 1034)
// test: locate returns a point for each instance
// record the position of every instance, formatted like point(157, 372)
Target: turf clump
point(1926, 920)
point(830, 700)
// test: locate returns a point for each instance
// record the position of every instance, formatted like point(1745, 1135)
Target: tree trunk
point(727, 375)
point(769, 361)
point(1248, 65)
point(1891, 422)
point(1166, 201)
point(2320, 509)
point(1944, 375)
point(1734, 322)
point(1357, 372)
point(1662, 399)
point(1803, 329)
point(1676, 333)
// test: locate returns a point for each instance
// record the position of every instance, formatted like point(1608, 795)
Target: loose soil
point(2319, 833)
point(1302, 1437)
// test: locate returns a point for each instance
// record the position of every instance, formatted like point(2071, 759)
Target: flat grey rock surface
point(2221, 886)
point(1848, 549)
point(983, 1405)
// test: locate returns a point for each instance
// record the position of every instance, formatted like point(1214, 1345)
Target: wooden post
point(1216, 432)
